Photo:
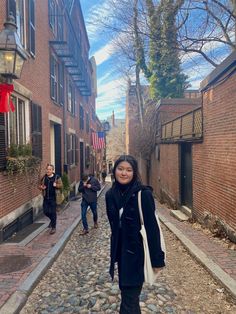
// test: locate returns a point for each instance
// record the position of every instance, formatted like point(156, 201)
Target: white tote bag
point(149, 275)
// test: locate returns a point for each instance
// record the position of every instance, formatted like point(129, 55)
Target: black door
point(186, 175)
point(81, 154)
point(57, 135)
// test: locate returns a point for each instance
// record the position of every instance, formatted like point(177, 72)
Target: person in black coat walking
point(89, 186)
point(48, 185)
point(126, 241)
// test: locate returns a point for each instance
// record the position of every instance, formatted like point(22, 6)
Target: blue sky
point(111, 84)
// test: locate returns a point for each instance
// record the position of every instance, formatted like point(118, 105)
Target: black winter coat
point(126, 240)
point(90, 195)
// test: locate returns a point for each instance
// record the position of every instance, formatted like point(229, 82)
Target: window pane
point(32, 27)
point(21, 122)
point(12, 126)
point(69, 97)
point(20, 21)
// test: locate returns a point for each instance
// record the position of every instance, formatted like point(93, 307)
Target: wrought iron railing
point(186, 127)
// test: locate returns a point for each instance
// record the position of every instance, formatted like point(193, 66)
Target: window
point(36, 130)
point(72, 149)
point(57, 89)
point(55, 19)
point(61, 83)
point(52, 15)
point(69, 102)
point(25, 21)
point(71, 98)
point(53, 77)
point(87, 122)
point(87, 156)
point(31, 34)
point(81, 117)
point(17, 8)
point(18, 122)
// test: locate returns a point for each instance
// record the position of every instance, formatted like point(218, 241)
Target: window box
point(20, 160)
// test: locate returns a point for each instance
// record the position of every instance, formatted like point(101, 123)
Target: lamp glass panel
point(7, 62)
point(18, 65)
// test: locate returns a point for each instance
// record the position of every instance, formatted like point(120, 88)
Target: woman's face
point(49, 170)
point(124, 172)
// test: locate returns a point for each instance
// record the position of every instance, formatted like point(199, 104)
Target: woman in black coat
point(126, 240)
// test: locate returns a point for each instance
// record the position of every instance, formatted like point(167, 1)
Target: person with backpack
point(89, 186)
point(48, 185)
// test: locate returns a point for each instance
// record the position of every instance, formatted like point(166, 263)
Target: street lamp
point(12, 57)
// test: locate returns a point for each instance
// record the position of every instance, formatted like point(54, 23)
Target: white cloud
point(97, 14)
point(104, 53)
point(111, 96)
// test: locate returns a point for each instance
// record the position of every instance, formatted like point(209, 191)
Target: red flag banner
point(6, 103)
point(98, 139)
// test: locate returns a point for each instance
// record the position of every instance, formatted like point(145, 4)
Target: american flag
point(98, 140)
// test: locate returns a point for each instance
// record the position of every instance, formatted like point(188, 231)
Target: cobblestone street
point(78, 282)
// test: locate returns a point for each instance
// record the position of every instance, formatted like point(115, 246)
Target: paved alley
point(78, 281)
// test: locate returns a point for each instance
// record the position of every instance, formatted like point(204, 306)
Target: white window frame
point(26, 121)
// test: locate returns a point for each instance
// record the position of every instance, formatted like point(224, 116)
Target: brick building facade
point(54, 100)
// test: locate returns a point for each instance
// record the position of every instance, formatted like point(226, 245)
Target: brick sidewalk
point(36, 250)
point(220, 261)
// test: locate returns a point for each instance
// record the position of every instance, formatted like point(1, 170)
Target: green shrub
point(13, 151)
point(66, 184)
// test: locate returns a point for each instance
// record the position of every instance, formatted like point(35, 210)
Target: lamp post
point(12, 57)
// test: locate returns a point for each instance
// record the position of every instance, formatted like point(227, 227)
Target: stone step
point(178, 214)
point(186, 210)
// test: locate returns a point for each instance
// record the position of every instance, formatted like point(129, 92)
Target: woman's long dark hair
point(134, 164)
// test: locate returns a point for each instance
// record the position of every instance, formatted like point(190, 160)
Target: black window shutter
point(76, 150)
point(11, 8)
point(2, 142)
point(36, 130)
point(32, 27)
point(69, 150)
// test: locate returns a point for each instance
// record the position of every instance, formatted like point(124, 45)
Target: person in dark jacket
point(126, 241)
point(48, 185)
point(89, 186)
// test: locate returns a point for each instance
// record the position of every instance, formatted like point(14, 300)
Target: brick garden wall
point(214, 171)
point(169, 173)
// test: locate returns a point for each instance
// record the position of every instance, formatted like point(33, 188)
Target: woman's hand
point(157, 269)
point(54, 184)
point(42, 187)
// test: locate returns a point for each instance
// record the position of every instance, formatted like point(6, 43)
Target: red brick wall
point(16, 191)
point(214, 173)
point(169, 173)
point(170, 112)
point(155, 175)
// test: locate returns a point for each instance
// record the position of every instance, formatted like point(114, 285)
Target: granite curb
point(17, 300)
point(217, 272)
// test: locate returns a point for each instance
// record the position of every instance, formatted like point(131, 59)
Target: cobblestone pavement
point(78, 281)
